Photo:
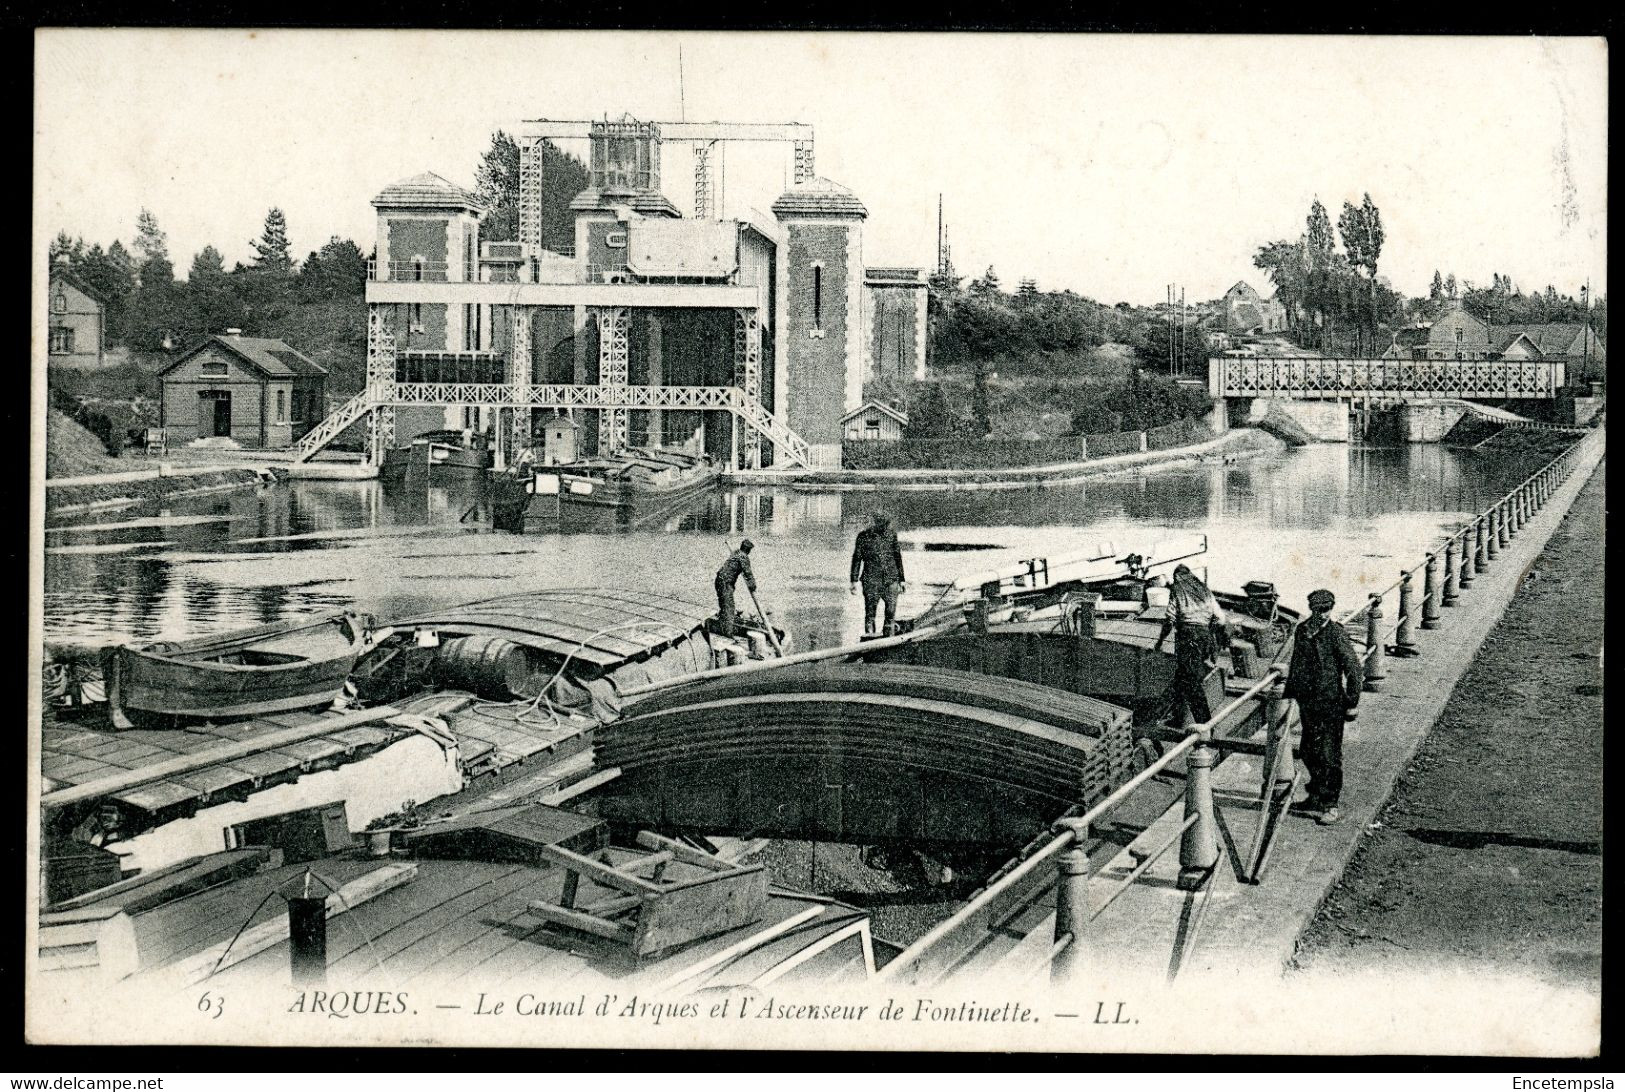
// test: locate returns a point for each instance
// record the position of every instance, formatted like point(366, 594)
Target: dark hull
point(267, 670)
point(436, 459)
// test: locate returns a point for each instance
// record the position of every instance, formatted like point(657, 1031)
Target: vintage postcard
point(825, 541)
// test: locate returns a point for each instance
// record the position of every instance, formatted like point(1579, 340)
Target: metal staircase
point(336, 422)
point(783, 437)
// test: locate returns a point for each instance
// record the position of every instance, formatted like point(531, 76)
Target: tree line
point(1333, 297)
point(147, 309)
point(1502, 303)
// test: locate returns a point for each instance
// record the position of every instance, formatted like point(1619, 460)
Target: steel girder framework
point(748, 373)
point(380, 373)
point(1292, 377)
point(614, 356)
point(519, 376)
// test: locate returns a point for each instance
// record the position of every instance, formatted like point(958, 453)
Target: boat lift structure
point(624, 167)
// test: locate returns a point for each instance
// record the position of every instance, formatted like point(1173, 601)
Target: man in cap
point(1324, 678)
point(737, 565)
point(1197, 622)
point(877, 569)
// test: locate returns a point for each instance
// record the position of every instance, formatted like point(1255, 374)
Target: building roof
point(895, 414)
point(818, 197)
point(427, 190)
point(270, 356)
point(1241, 286)
point(63, 275)
point(643, 202)
point(1551, 338)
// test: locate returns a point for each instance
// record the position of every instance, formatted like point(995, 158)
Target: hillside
point(71, 449)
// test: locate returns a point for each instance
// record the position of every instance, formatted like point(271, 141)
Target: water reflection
point(1347, 518)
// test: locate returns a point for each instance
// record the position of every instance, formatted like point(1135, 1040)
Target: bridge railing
point(1330, 377)
point(1465, 553)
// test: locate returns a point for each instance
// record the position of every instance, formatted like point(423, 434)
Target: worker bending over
point(1197, 623)
point(737, 565)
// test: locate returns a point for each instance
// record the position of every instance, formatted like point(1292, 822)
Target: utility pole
point(1184, 332)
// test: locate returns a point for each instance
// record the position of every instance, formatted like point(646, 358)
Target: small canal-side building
point(78, 323)
point(258, 392)
point(874, 420)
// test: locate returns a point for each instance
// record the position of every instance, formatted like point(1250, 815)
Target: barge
point(440, 454)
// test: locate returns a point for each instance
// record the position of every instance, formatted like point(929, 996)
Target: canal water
point(1347, 518)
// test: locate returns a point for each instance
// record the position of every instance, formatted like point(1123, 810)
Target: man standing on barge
point(1325, 678)
point(877, 569)
point(737, 565)
point(1197, 622)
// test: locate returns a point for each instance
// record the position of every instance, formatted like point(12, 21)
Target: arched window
point(60, 304)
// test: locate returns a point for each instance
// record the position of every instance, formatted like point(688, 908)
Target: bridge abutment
point(1323, 421)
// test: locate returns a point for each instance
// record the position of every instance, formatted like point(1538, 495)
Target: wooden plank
point(268, 934)
point(687, 854)
point(717, 904)
point(575, 919)
point(149, 889)
point(602, 874)
point(197, 762)
point(654, 862)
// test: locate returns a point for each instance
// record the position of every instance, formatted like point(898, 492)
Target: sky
point(1111, 165)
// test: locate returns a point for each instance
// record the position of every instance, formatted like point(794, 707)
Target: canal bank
point(93, 492)
point(1233, 939)
point(1489, 853)
point(1235, 443)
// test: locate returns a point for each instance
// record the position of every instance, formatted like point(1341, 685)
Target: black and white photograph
point(820, 541)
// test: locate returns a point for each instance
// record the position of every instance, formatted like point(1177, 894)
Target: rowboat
point(271, 669)
point(437, 453)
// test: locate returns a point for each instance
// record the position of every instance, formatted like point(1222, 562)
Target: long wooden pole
point(767, 623)
point(225, 752)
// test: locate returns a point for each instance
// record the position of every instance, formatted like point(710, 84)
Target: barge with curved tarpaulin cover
point(272, 669)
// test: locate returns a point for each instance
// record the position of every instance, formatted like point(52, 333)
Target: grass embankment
point(72, 450)
point(1034, 397)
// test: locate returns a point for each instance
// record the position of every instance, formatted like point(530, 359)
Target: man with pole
point(737, 565)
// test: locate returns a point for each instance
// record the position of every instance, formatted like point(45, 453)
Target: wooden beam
point(599, 873)
point(687, 854)
point(211, 756)
point(575, 919)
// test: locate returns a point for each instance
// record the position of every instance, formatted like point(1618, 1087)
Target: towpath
point(1490, 851)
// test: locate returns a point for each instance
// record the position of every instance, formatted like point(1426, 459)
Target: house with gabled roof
point(874, 420)
point(257, 391)
point(77, 329)
point(1246, 312)
point(1574, 343)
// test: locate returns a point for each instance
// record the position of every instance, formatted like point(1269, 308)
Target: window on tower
point(818, 297)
